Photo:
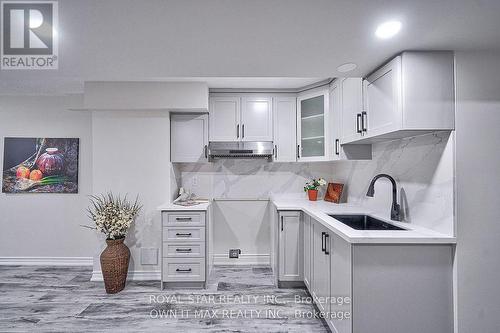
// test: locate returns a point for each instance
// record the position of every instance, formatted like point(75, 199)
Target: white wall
point(478, 184)
point(131, 156)
point(47, 225)
point(423, 169)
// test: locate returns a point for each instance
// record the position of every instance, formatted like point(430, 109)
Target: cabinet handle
point(323, 242)
point(242, 131)
point(183, 250)
point(327, 236)
point(238, 131)
point(337, 147)
point(358, 125)
point(298, 151)
point(183, 235)
point(275, 151)
point(183, 218)
point(183, 270)
point(364, 121)
point(206, 151)
point(282, 223)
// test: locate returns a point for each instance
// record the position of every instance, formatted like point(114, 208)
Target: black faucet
point(395, 208)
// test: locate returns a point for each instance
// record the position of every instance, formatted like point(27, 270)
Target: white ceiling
point(103, 40)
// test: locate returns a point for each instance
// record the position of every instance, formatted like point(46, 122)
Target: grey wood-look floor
point(62, 299)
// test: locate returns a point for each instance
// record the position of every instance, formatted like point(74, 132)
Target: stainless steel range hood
point(240, 149)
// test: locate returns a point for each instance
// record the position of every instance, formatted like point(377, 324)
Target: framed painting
point(40, 165)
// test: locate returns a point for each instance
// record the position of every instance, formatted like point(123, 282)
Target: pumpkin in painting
point(51, 162)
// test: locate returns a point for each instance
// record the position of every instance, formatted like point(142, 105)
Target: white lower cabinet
point(290, 247)
point(368, 287)
point(340, 284)
point(184, 249)
point(321, 266)
point(307, 250)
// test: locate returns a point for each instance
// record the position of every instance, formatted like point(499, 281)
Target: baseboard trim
point(244, 259)
point(47, 261)
point(132, 276)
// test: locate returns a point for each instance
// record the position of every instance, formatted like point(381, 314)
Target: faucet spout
point(395, 208)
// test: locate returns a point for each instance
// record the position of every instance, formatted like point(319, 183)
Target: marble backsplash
point(423, 167)
point(249, 179)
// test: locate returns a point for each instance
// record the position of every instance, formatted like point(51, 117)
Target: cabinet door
point(290, 247)
point(340, 284)
point(335, 105)
point(321, 266)
point(256, 119)
point(351, 92)
point(383, 100)
point(188, 137)
point(224, 118)
point(307, 251)
point(285, 129)
point(312, 126)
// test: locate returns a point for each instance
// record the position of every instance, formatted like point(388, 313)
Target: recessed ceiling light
point(347, 67)
point(388, 29)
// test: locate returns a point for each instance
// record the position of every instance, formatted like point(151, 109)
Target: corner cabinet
point(412, 94)
point(237, 118)
point(313, 130)
point(188, 138)
point(285, 123)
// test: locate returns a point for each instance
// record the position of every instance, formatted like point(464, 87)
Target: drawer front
point(195, 250)
point(183, 218)
point(179, 270)
point(183, 234)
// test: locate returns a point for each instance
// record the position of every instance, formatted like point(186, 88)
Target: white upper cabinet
point(410, 95)
point(225, 118)
point(346, 100)
point(383, 89)
point(313, 128)
point(285, 118)
point(351, 106)
point(256, 119)
point(241, 118)
point(188, 137)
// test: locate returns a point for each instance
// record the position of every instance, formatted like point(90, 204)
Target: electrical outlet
point(234, 253)
point(149, 256)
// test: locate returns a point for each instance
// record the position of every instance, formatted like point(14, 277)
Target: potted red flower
point(312, 186)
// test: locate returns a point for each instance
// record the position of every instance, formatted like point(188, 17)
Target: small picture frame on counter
point(334, 192)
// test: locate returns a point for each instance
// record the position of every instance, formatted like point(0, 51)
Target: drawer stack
point(183, 247)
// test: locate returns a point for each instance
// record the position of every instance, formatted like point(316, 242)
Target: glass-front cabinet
point(312, 126)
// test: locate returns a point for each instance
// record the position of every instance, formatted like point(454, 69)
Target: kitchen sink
point(364, 222)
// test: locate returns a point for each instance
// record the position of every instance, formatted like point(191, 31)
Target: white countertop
point(319, 210)
point(168, 206)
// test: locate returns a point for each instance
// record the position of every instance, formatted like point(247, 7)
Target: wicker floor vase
point(114, 265)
